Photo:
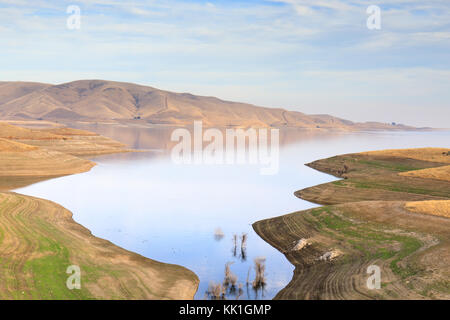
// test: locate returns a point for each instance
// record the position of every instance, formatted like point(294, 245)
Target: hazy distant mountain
point(98, 100)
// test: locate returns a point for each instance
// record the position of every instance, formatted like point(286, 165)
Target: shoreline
point(361, 127)
point(57, 241)
point(107, 270)
point(357, 228)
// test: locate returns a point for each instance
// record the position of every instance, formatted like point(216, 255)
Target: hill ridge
point(104, 100)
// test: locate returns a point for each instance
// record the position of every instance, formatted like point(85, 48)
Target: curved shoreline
point(357, 228)
point(57, 242)
point(45, 239)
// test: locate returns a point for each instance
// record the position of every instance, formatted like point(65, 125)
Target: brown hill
point(12, 90)
point(99, 100)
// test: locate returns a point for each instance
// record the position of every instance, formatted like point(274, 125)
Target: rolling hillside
point(98, 100)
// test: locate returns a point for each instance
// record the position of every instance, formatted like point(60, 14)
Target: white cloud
point(300, 53)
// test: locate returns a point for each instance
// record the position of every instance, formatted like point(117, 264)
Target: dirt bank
point(39, 239)
point(370, 218)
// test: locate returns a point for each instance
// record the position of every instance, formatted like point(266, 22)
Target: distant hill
point(99, 100)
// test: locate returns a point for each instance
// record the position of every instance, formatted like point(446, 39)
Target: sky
point(314, 56)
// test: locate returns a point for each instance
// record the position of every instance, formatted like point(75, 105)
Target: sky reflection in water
point(145, 203)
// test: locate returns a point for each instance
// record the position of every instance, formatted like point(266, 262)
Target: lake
point(190, 214)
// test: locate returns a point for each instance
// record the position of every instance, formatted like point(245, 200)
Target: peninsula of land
point(389, 209)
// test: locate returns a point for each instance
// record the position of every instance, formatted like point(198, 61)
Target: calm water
point(145, 203)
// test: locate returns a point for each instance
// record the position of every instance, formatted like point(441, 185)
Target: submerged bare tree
point(235, 244)
point(216, 291)
point(230, 278)
point(229, 286)
point(240, 291)
point(244, 237)
point(260, 269)
point(218, 234)
point(243, 255)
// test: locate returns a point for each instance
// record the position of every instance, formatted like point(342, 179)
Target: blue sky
point(315, 56)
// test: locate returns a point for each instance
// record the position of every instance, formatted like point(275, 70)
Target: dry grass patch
point(8, 131)
point(11, 146)
point(432, 207)
point(64, 131)
point(439, 173)
point(31, 155)
point(65, 140)
point(81, 145)
point(40, 163)
point(424, 154)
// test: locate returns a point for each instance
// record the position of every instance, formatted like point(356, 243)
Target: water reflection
point(231, 288)
point(235, 244)
point(196, 215)
point(260, 277)
point(243, 254)
point(157, 139)
point(242, 247)
point(218, 234)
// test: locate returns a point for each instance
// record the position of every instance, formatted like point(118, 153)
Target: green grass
point(389, 165)
point(399, 188)
point(440, 286)
point(384, 253)
point(391, 186)
point(370, 240)
point(46, 275)
point(49, 273)
point(409, 246)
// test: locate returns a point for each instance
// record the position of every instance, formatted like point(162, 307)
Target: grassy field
point(373, 216)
